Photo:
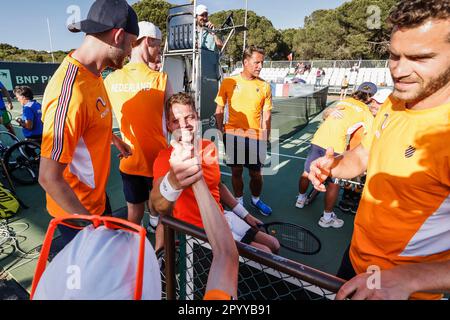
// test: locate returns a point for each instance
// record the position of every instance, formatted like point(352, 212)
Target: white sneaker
point(333, 222)
point(240, 200)
point(300, 202)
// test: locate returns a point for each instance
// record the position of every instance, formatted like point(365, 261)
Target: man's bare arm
point(223, 274)
point(351, 164)
point(52, 180)
point(5, 93)
point(219, 117)
point(400, 283)
point(267, 123)
point(227, 198)
point(346, 166)
point(160, 204)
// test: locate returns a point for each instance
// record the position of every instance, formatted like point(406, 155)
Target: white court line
point(225, 174)
point(309, 136)
point(288, 156)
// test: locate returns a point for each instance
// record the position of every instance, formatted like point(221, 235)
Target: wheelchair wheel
point(22, 162)
point(7, 140)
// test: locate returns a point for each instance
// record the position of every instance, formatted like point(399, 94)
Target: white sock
point(301, 196)
point(255, 199)
point(240, 200)
point(327, 215)
point(154, 221)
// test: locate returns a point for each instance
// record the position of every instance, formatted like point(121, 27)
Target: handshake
point(185, 160)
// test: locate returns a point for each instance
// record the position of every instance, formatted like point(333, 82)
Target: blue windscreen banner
point(34, 75)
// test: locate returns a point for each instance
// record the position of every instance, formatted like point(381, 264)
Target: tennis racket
point(293, 237)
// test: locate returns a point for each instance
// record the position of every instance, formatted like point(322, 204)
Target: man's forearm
point(219, 42)
point(160, 204)
point(226, 197)
point(267, 123)
point(350, 164)
point(212, 218)
point(429, 277)
point(51, 178)
point(219, 119)
point(115, 140)
point(6, 95)
point(60, 191)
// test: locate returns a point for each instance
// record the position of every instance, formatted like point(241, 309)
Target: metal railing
point(261, 275)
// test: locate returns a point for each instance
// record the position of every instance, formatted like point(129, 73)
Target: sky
point(24, 23)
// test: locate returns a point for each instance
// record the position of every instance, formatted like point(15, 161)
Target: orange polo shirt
point(137, 96)
point(77, 131)
point(404, 214)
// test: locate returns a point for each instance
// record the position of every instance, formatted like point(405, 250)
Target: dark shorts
point(68, 233)
point(346, 270)
point(136, 188)
point(246, 152)
point(315, 153)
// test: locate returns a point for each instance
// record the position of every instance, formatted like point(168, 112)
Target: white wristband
point(167, 191)
point(240, 211)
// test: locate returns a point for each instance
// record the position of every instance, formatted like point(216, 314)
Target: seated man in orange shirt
point(172, 190)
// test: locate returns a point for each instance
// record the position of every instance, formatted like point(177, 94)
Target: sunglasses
point(80, 222)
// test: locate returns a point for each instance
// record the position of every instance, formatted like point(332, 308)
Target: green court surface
point(280, 191)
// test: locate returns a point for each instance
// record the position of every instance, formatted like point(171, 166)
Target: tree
point(355, 30)
point(154, 11)
point(261, 33)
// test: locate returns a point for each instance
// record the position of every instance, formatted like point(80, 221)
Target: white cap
point(148, 29)
point(201, 9)
point(382, 95)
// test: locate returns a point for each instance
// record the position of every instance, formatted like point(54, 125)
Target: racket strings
point(294, 238)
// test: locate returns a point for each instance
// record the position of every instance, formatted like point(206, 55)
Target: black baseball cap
point(105, 15)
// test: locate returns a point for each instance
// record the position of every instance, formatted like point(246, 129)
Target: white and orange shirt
point(77, 120)
point(137, 95)
point(333, 132)
point(404, 214)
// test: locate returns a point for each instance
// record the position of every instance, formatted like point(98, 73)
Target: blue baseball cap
point(368, 87)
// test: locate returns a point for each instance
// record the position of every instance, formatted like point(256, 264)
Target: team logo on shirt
point(101, 107)
point(385, 121)
point(410, 152)
point(383, 126)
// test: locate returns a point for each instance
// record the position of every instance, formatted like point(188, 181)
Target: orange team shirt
point(77, 131)
point(137, 96)
point(246, 100)
point(186, 208)
point(404, 214)
point(333, 132)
